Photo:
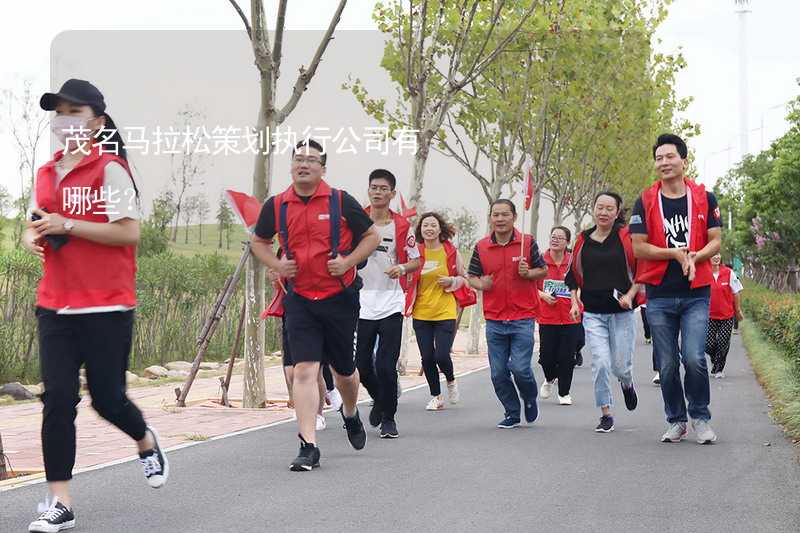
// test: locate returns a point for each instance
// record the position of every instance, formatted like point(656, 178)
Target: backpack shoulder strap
point(283, 226)
point(335, 220)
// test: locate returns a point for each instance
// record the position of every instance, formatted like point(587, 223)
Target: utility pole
point(744, 128)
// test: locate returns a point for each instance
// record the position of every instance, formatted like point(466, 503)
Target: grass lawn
point(776, 374)
point(210, 245)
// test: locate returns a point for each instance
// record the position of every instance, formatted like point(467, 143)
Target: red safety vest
point(511, 297)
point(652, 272)
point(413, 285)
point(309, 230)
point(83, 273)
point(722, 302)
point(402, 240)
point(558, 313)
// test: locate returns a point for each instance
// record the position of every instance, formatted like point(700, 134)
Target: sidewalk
point(99, 442)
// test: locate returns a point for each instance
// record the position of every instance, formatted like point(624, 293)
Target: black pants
point(645, 323)
point(718, 342)
point(101, 342)
point(380, 379)
point(557, 347)
point(435, 340)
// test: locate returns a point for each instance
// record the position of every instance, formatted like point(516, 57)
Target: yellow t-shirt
point(432, 302)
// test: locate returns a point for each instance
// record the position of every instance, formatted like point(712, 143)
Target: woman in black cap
point(85, 228)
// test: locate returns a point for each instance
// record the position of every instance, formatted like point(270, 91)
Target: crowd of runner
point(348, 277)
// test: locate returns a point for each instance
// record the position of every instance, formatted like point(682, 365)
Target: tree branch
point(243, 17)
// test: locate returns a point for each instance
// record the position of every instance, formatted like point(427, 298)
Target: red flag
point(529, 189)
point(405, 210)
point(246, 207)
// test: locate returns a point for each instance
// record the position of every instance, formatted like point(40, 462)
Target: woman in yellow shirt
point(431, 303)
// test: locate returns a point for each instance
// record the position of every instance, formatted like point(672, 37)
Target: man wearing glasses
point(382, 302)
point(321, 307)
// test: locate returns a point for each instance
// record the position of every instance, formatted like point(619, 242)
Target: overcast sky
point(705, 30)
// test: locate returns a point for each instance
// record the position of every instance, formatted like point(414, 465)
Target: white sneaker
point(565, 400)
point(657, 379)
point(718, 375)
point(452, 392)
point(321, 423)
point(336, 399)
point(547, 389)
point(436, 404)
point(703, 432)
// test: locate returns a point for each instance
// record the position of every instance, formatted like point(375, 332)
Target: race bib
point(557, 288)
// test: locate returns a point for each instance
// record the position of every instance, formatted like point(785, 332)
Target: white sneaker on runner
point(321, 423)
point(547, 389)
point(452, 392)
point(436, 404)
point(565, 400)
point(657, 379)
point(336, 399)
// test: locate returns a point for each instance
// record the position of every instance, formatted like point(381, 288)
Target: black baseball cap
point(77, 92)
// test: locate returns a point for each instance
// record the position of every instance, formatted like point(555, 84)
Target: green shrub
point(175, 295)
point(777, 316)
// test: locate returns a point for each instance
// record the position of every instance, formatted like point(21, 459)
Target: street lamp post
point(744, 129)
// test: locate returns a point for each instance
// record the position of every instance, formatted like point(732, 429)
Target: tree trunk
point(219, 246)
point(536, 201)
point(2, 460)
point(418, 176)
point(200, 238)
point(473, 347)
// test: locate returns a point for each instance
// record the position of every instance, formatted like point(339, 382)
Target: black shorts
point(285, 350)
point(323, 330)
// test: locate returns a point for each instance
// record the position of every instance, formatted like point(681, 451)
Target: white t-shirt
point(736, 285)
point(382, 296)
point(121, 203)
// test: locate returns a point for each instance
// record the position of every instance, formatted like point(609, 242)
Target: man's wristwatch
point(68, 225)
point(402, 270)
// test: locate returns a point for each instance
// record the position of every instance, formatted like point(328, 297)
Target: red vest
point(652, 272)
point(401, 241)
point(83, 273)
point(557, 313)
point(511, 297)
point(722, 306)
point(413, 285)
point(310, 242)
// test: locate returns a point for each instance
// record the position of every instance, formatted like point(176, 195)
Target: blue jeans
point(611, 338)
point(688, 317)
point(510, 353)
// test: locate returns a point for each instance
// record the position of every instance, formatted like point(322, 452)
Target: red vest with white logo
point(722, 306)
point(83, 273)
point(310, 242)
point(511, 297)
point(558, 313)
point(401, 241)
point(651, 271)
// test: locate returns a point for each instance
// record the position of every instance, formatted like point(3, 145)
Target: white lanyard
point(688, 213)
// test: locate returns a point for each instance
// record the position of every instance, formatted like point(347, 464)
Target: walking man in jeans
point(510, 300)
point(676, 229)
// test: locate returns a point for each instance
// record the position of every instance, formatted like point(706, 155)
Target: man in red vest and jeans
point(510, 302)
point(676, 229)
point(322, 305)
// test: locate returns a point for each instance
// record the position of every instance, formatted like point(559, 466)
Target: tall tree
point(268, 56)
point(202, 209)
point(434, 50)
point(186, 168)
point(224, 220)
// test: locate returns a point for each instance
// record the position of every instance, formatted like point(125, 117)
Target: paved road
point(452, 471)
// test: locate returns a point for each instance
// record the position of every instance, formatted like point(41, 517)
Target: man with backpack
point(323, 234)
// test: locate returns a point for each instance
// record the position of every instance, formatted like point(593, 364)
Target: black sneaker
point(631, 400)
point(606, 424)
point(307, 459)
point(56, 518)
point(508, 423)
point(579, 359)
point(531, 410)
point(155, 463)
point(375, 415)
point(389, 429)
point(355, 430)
